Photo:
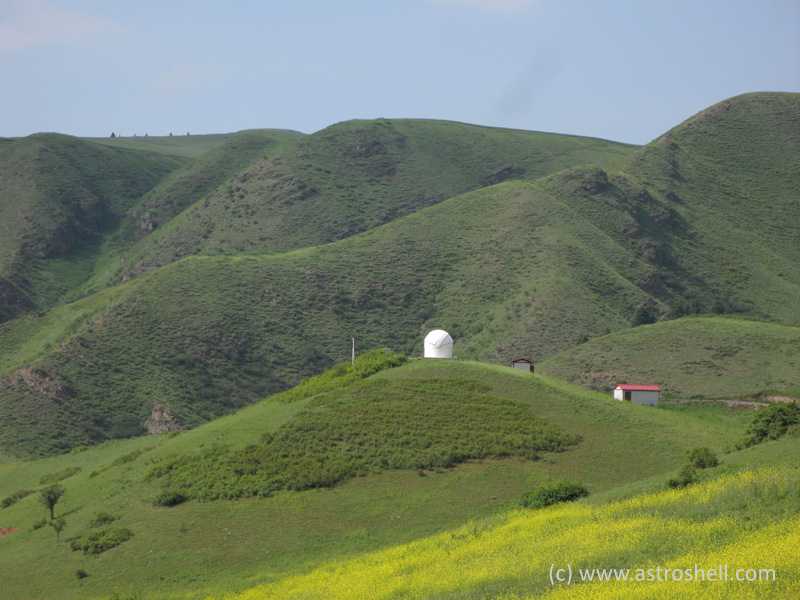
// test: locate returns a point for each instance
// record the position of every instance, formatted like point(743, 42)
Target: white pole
point(353, 357)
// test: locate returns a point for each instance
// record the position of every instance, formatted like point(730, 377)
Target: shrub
point(102, 518)
point(561, 491)
point(15, 497)
point(686, 476)
point(102, 541)
point(772, 422)
point(170, 498)
point(702, 458)
point(81, 574)
point(40, 523)
point(58, 475)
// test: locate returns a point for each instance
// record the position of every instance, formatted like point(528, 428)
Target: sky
point(624, 70)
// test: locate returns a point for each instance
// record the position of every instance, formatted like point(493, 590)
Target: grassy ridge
point(256, 540)
point(190, 146)
point(689, 357)
point(357, 175)
point(729, 177)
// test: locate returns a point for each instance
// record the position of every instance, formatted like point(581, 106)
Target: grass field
point(254, 540)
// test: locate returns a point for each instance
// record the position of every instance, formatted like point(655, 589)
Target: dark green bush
point(702, 458)
point(40, 523)
point(772, 422)
point(686, 476)
point(102, 518)
point(81, 574)
point(170, 498)
point(58, 475)
point(101, 541)
point(561, 491)
point(15, 497)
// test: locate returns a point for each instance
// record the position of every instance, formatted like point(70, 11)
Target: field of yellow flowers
point(734, 536)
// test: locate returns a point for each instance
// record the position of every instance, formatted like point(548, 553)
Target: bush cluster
point(696, 458)
point(15, 497)
point(771, 423)
point(58, 475)
point(102, 518)
point(546, 495)
point(101, 541)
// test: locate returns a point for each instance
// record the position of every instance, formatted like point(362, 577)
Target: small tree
point(642, 316)
point(50, 496)
point(58, 525)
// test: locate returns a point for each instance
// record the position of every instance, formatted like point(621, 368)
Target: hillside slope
point(59, 197)
point(517, 268)
point(254, 540)
point(354, 176)
point(689, 358)
point(496, 267)
point(728, 178)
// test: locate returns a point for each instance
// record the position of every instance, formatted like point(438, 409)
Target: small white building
point(638, 394)
point(438, 344)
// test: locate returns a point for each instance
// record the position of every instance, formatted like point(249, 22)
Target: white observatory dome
point(438, 344)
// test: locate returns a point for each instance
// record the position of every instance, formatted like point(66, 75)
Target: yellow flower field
point(678, 543)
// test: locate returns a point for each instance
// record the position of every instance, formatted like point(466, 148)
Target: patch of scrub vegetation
point(772, 423)
point(364, 427)
point(102, 540)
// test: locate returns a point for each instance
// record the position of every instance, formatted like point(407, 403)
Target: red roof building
point(638, 394)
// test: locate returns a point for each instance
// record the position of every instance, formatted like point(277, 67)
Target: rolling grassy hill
point(693, 357)
point(354, 176)
point(197, 548)
point(516, 268)
point(59, 198)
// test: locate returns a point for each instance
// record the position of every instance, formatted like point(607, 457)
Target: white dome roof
point(438, 338)
point(438, 344)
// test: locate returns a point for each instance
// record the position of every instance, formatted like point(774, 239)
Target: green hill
point(717, 357)
point(59, 199)
point(355, 176)
point(223, 545)
point(517, 268)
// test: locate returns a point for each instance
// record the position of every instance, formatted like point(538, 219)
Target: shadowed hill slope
point(59, 197)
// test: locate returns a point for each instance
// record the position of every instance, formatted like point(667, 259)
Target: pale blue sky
point(626, 70)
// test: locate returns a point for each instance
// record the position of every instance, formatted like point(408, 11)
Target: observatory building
point(438, 344)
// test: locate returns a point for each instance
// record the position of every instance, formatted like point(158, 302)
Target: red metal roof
point(516, 360)
point(638, 388)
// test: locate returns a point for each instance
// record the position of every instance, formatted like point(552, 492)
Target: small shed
point(438, 344)
point(638, 394)
point(523, 364)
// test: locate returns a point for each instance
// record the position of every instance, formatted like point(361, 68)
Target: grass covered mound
point(369, 426)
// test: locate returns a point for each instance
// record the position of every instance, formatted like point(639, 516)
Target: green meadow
point(255, 539)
